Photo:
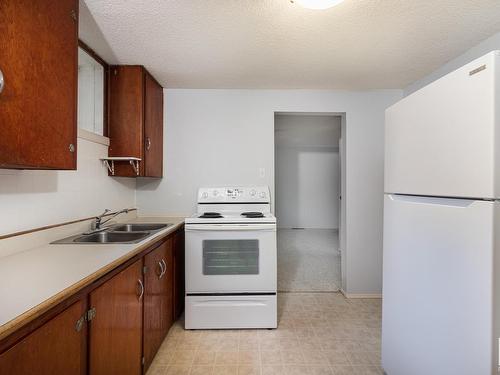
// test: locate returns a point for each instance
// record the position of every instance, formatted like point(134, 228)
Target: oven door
point(230, 258)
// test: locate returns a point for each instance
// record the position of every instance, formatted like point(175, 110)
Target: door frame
point(343, 179)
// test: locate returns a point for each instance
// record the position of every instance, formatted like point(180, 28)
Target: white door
point(441, 140)
point(437, 286)
point(231, 258)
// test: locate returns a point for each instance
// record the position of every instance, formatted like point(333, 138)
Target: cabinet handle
point(162, 271)
point(79, 324)
point(164, 266)
point(148, 143)
point(141, 285)
point(2, 81)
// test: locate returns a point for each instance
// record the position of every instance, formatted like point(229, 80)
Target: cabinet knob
point(71, 147)
point(148, 143)
point(2, 81)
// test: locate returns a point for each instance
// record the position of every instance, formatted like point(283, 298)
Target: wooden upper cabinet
point(158, 299)
point(116, 330)
point(135, 120)
point(153, 128)
point(39, 63)
point(57, 347)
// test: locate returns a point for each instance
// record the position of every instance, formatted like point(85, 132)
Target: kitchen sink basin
point(105, 237)
point(119, 233)
point(139, 227)
point(112, 237)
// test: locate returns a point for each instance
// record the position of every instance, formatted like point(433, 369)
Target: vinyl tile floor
point(318, 333)
point(308, 260)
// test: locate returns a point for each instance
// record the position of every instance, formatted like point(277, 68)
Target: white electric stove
point(231, 260)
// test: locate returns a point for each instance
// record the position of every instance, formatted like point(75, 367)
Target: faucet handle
point(104, 213)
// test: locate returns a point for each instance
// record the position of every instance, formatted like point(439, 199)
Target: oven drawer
point(243, 311)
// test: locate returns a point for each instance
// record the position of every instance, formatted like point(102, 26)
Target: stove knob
point(204, 195)
point(215, 193)
point(253, 192)
point(262, 194)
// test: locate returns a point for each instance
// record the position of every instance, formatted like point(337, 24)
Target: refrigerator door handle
point(417, 199)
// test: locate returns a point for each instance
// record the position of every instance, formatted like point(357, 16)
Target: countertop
point(35, 280)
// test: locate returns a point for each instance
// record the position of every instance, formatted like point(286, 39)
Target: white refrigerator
point(441, 268)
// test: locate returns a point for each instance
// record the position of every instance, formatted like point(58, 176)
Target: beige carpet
point(308, 260)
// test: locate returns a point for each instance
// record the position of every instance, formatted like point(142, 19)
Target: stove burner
point(211, 215)
point(252, 214)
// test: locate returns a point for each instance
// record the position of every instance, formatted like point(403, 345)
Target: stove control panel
point(234, 193)
point(257, 194)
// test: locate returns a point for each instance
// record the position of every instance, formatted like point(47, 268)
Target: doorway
point(308, 185)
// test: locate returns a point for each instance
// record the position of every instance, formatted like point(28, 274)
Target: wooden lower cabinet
point(123, 319)
point(179, 280)
point(158, 299)
point(56, 347)
point(116, 330)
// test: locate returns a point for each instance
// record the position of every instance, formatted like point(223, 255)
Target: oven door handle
point(230, 227)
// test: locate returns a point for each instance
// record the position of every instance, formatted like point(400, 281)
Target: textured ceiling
point(359, 44)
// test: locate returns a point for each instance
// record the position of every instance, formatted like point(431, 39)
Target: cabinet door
point(57, 347)
point(153, 128)
point(126, 116)
point(158, 308)
point(179, 281)
point(38, 59)
point(116, 329)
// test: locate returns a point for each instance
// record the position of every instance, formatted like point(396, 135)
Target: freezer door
point(437, 286)
point(440, 141)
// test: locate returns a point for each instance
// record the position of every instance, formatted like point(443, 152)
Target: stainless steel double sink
point(116, 234)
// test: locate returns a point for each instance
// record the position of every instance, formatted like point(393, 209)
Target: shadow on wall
point(28, 182)
point(90, 173)
point(148, 184)
point(90, 33)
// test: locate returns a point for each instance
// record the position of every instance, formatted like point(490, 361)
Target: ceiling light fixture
point(317, 4)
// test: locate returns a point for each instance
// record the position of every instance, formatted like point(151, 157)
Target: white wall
point(307, 171)
point(31, 199)
point(490, 44)
point(218, 137)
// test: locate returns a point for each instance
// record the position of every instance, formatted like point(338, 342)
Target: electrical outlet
point(262, 172)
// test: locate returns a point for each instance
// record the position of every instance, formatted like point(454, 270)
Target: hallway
point(308, 260)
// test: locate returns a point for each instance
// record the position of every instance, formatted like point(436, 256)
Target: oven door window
point(231, 257)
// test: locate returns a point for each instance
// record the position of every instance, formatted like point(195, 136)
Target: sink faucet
point(97, 225)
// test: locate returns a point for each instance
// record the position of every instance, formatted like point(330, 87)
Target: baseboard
point(360, 295)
